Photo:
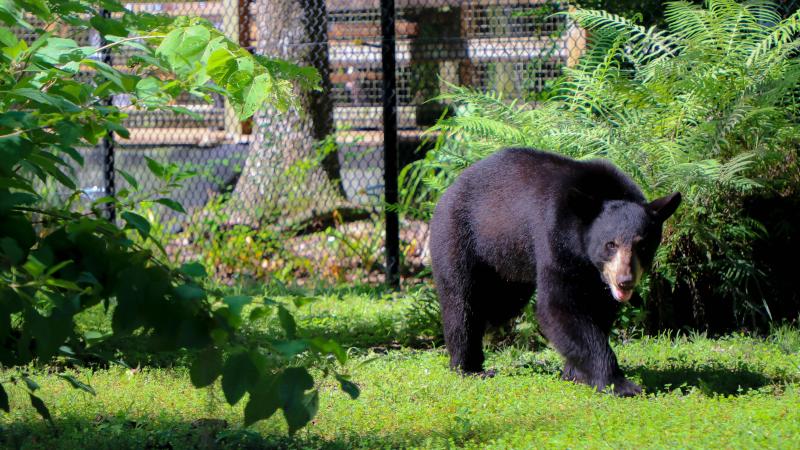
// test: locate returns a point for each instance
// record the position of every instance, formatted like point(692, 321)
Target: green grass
point(734, 392)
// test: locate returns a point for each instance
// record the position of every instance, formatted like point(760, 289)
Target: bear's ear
point(583, 205)
point(662, 208)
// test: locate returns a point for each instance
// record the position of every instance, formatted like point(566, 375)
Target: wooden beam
point(351, 5)
point(575, 41)
point(370, 29)
point(365, 54)
point(213, 8)
point(201, 137)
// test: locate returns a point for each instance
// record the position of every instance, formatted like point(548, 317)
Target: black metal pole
point(390, 142)
point(107, 144)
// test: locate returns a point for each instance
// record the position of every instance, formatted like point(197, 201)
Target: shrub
point(706, 107)
point(58, 260)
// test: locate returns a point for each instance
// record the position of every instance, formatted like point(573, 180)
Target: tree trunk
point(286, 178)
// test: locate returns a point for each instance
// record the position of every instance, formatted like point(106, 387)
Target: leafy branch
point(60, 258)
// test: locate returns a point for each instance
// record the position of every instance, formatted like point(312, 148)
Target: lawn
point(732, 392)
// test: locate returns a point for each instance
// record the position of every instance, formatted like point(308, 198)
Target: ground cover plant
point(738, 391)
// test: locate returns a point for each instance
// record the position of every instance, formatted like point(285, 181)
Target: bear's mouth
point(620, 294)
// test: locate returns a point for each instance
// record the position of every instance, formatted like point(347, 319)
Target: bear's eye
point(611, 246)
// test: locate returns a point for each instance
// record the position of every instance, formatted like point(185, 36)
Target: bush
point(707, 107)
point(59, 260)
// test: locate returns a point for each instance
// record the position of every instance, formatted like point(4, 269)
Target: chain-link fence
point(302, 194)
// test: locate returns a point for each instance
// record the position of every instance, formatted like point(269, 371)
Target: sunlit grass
point(735, 392)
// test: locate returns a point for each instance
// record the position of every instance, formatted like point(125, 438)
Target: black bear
point(579, 233)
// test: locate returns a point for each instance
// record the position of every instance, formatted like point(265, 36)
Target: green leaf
point(149, 91)
point(237, 86)
point(108, 27)
point(349, 387)
point(117, 128)
point(207, 366)
point(302, 300)
point(60, 50)
point(329, 346)
point(40, 407)
point(194, 270)
point(12, 251)
point(287, 322)
point(137, 222)
point(220, 65)
point(190, 292)
point(74, 154)
point(16, 51)
point(256, 94)
point(123, 82)
point(258, 312)
point(307, 77)
point(264, 400)
point(237, 302)
point(184, 111)
point(50, 331)
point(156, 168)
point(77, 384)
point(239, 375)
point(184, 46)
point(37, 96)
point(30, 384)
point(291, 348)
point(4, 400)
point(13, 199)
point(171, 204)
point(129, 178)
point(298, 409)
point(45, 161)
point(63, 284)
point(93, 337)
point(56, 267)
point(7, 37)
point(38, 7)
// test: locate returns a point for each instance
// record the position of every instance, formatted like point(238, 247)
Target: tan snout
point(622, 273)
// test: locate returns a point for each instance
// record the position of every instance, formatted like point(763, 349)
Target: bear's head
point(623, 238)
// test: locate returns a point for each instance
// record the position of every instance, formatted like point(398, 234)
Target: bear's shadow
point(709, 380)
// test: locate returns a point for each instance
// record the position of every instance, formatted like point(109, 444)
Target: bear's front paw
point(626, 388)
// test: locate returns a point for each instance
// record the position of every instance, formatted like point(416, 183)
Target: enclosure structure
point(323, 176)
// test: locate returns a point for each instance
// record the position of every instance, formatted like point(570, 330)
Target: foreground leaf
point(40, 407)
point(4, 400)
point(206, 367)
point(238, 376)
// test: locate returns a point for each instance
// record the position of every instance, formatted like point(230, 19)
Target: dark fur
point(523, 220)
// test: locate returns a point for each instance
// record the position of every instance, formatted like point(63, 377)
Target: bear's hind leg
point(463, 333)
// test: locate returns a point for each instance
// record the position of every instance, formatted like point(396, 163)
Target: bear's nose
point(625, 282)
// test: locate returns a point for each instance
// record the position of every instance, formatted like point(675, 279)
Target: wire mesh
point(302, 193)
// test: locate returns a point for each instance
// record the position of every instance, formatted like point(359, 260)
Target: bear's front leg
point(584, 345)
point(588, 357)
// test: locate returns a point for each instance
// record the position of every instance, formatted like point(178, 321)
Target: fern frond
point(782, 34)
point(688, 20)
point(645, 44)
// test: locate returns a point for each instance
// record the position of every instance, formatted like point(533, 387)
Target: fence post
point(388, 64)
point(107, 144)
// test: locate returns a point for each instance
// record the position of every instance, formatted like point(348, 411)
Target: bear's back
point(507, 204)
